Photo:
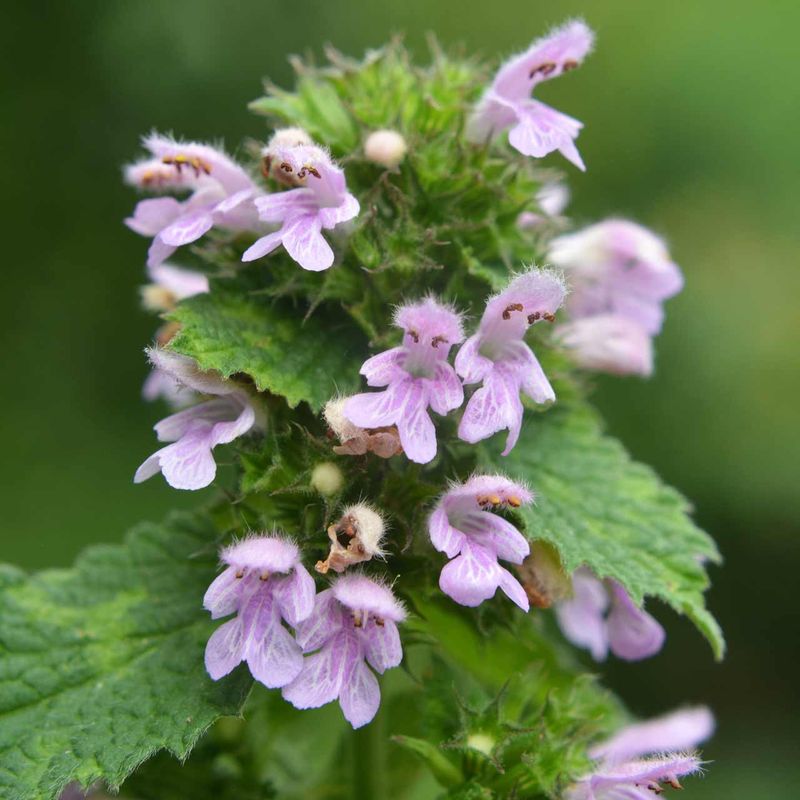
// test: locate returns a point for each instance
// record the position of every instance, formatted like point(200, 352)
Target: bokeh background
point(692, 113)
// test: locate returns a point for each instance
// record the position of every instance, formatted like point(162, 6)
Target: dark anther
point(379, 622)
point(568, 65)
point(286, 167)
point(534, 317)
point(414, 335)
point(549, 317)
point(314, 171)
point(544, 69)
point(239, 573)
point(514, 501)
point(510, 308)
point(673, 782)
point(437, 340)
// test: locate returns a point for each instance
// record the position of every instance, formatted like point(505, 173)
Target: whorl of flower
point(552, 199)
point(621, 772)
point(464, 528)
point(354, 623)
point(355, 441)
point(601, 616)
point(263, 584)
point(498, 357)
point(188, 463)
point(417, 376)
point(608, 343)
point(536, 128)
point(221, 192)
point(319, 200)
point(356, 537)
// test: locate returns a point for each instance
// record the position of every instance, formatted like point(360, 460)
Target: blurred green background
point(692, 114)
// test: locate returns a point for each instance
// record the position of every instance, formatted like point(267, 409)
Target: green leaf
point(101, 665)
point(300, 359)
point(601, 509)
point(444, 770)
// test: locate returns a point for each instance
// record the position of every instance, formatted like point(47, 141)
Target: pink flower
point(188, 463)
point(417, 375)
point(463, 527)
point(264, 584)
point(354, 623)
point(498, 357)
point(601, 615)
point(221, 192)
point(536, 129)
point(320, 200)
point(552, 199)
point(621, 772)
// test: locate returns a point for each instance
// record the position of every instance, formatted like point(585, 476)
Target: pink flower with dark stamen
point(622, 773)
point(601, 615)
point(498, 357)
point(319, 201)
point(416, 375)
point(536, 129)
point(264, 584)
point(354, 623)
point(464, 528)
point(221, 194)
point(188, 463)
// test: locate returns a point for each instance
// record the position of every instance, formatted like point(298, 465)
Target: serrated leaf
point(101, 665)
point(300, 359)
point(600, 508)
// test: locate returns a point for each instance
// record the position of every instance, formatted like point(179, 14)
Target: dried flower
point(356, 537)
point(354, 441)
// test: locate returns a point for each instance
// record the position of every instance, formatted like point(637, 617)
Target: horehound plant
point(377, 339)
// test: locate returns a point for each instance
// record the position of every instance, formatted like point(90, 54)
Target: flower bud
point(356, 537)
point(385, 147)
point(327, 478)
point(542, 576)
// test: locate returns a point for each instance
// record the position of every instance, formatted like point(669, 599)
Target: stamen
point(179, 161)
point(510, 308)
point(534, 317)
point(514, 501)
point(569, 64)
point(545, 68)
point(286, 167)
point(655, 788)
point(264, 576)
point(314, 171)
point(548, 317)
point(437, 340)
point(239, 573)
point(673, 782)
point(414, 335)
point(379, 622)
point(358, 621)
point(489, 500)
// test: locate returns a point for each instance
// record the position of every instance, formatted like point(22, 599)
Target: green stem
point(369, 761)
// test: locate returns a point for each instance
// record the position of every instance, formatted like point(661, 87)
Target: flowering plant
point(378, 352)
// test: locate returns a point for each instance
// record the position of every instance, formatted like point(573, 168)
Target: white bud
point(385, 147)
point(288, 137)
point(481, 742)
point(327, 478)
point(369, 527)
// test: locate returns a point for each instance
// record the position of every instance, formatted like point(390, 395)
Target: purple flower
point(188, 463)
point(617, 267)
point(353, 623)
point(463, 527)
point(608, 343)
point(552, 199)
point(320, 200)
point(417, 375)
point(498, 356)
point(621, 772)
point(221, 192)
point(601, 615)
point(536, 129)
point(264, 583)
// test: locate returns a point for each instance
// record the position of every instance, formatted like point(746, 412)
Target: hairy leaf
point(101, 665)
point(300, 359)
point(600, 508)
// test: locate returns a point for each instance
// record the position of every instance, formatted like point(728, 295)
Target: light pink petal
point(513, 589)
point(158, 252)
point(382, 646)
point(274, 657)
point(278, 206)
point(171, 428)
point(374, 409)
point(444, 536)
point(360, 696)
point(446, 392)
point(224, 594)
point(581, 618)
point(181, 282)
point(493, 407)
point(263, 246)
point(295, 595)
point(680, 730)
point(187, 228)
point(640, 773)
point(331, 217)
point(470, 364)
point(472, 577)
point(632, 633)
point(417, 433)
point(504, 538)
point(324, 673)
point(382, 369)
point(325, 621)
point(542, 130)
point(357, 592)
point(151, 466)
point(188, 463)
point(151, 216)
point(224, 649)
point(232, 202)
point(227, 431)
point(305, 243)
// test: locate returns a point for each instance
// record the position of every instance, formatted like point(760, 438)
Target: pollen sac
point(356, 537)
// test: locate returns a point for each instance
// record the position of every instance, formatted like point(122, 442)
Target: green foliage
point(600, 508)
point(102, 664)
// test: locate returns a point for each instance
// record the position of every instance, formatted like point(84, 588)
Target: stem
point(369, 761)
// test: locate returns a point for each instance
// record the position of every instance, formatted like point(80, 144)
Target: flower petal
point(382, 646)
point(472, 577)
point(295, 595)
point(444, 537)
point(360, 696)
point(633, 634)
point(305, 243)
point(263, 246)
point(224, 649)
point(513, 589)
point(187, 228)
point(445, 392)
point(224, 594)
point(581, 618)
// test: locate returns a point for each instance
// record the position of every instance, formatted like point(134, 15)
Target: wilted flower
point(417, 375)
point(356, 537)
point(354, 441)
point(536, 128)
point(498, 357)
point(264, 583)
point(601, 615)
point(621, 772)
point(319, 200)
point(188, 463)
point(353, 623)
point(221, 194)
point(464, 528)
